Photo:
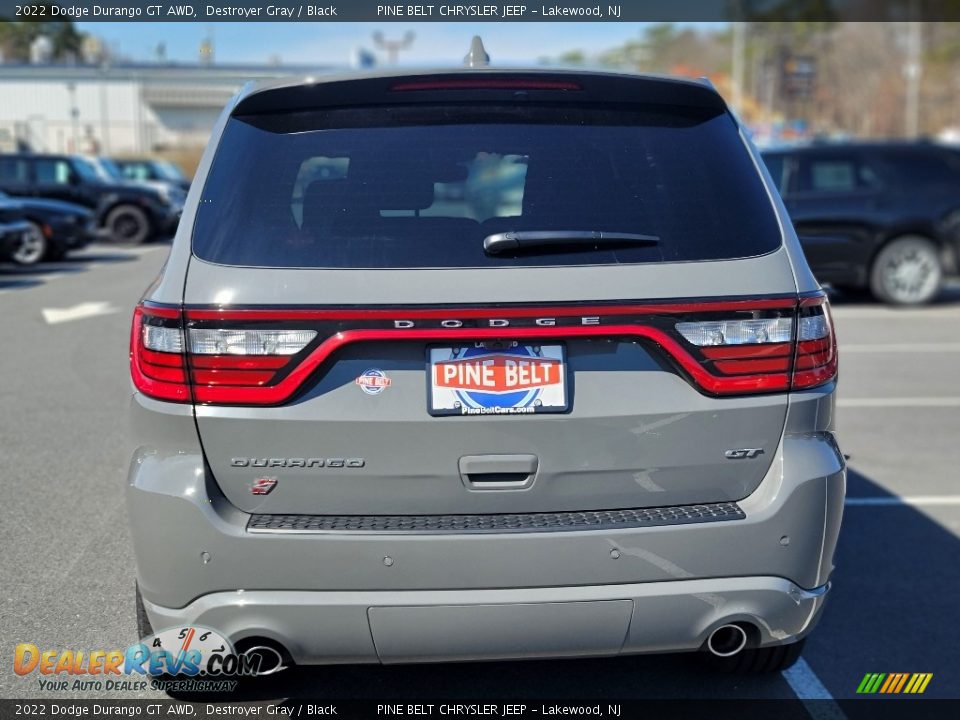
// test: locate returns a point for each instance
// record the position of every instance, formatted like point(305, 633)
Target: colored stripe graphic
point(894, 683)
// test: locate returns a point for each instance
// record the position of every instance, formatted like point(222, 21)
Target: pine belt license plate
point(517, 379)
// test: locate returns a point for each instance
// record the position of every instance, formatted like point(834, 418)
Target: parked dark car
point(55, 228)
point(152, 170)
point(877, 216)
point(129, 212)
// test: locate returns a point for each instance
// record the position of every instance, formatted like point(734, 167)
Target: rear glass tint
point(423, 186)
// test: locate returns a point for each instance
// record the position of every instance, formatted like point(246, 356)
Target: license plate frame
point(540, 373)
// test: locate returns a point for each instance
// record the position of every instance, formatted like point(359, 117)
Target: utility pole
point(393, 47)
point(739, 60)
point(913, 71)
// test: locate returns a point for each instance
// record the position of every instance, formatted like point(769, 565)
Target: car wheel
point(907, 271)
point(128, 224)
point(759, 661)
point(33, 247)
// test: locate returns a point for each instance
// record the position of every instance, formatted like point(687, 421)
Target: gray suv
point(483, 364)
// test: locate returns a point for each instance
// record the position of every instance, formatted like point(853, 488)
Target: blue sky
point(334, 43)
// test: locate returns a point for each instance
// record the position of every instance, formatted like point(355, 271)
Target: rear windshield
point(423, 186)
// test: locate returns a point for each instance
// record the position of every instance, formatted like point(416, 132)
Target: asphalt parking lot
point(66, 570)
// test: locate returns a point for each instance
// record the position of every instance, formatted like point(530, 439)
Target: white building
point(126, 109)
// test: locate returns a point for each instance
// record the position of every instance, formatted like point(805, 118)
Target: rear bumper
point(427, 626)
point(340, 596)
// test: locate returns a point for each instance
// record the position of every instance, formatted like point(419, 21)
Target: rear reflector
point(264, 357)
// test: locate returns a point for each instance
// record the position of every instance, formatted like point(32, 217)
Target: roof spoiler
point(482, 85)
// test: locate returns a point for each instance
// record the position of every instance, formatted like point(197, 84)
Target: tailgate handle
point(498, 472)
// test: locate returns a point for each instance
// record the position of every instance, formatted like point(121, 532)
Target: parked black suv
point(131, 213)
point(146, 169)
point(882, 216)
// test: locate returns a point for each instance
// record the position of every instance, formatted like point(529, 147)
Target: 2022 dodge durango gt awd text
point(485, 364)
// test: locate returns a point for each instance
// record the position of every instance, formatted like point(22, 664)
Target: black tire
point(907, 271)
point(144, 629)
point(34, 247)
point(128, 225)
point(759, 661)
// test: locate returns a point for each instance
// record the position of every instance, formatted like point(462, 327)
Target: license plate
point(514, 380)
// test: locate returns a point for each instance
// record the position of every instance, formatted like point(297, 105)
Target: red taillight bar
point(273, 380)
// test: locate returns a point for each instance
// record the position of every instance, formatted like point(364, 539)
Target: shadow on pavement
point(893, 606)
point(15, 282)
point(602, 679)
point(16, 277)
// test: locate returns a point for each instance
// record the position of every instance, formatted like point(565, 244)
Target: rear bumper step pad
point(496, 523)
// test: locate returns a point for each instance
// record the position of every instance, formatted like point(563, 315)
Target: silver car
point(480, 364)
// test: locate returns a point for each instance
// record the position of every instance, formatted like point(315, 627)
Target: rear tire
point(759, 661)
point(128, 225)
point(907, 271)
point(143, 622)
point(33, 248)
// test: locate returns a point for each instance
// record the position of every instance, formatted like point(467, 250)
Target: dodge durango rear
point(476, 365)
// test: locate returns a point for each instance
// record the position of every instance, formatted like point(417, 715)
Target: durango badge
point(373, 381)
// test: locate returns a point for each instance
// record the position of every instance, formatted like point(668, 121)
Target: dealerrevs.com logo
point(188, 658)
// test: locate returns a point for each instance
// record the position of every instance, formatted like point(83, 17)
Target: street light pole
point(913, 70)
point(739, 44)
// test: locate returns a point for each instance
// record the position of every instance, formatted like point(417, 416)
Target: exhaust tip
point(273, 659)
point(727, 640)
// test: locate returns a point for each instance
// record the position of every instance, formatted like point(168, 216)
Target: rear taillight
point(816, 359)
point(256, 356)
point(172, 362)
point(769, 353)
point(157, 359)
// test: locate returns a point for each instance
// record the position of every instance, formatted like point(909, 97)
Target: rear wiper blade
point(522, 239)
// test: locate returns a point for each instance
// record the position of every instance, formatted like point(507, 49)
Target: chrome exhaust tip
point(271, 659)
point(727, 640)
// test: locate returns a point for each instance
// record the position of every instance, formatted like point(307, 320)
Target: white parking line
point(898, 402)
point(900, 348)
point(807, 687)
point(895, 500)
